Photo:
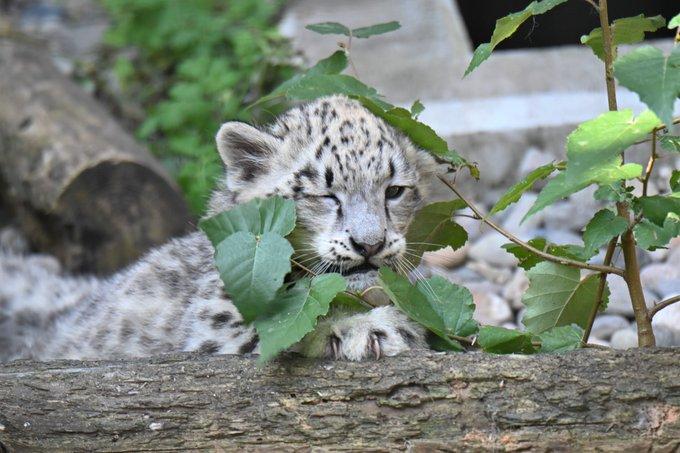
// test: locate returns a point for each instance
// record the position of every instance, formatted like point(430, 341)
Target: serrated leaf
point(561, 339)
point(657, 207)
point(329, 28)
point(420, 134)
point(417, 108)
point(674, 22)
point(604, 226)
point(318, 85)
point(433, 228)
point(499, 340)
point(377, 29)
point(350, 302)
point(515, 192)
point(295, 311)
point(627, 30)
point(670, 142)
point(439, 305)
point(506, 26)
point(674, 181)
point(654, 76)
point(593, 152)
point(258, 216)
point(650, 236)
point(558, 297)
point(527, 259)
point(252, 269)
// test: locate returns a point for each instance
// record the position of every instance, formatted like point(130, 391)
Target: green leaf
point(295, 313)
point(515, 192)
point(650, 236)
point(499, 340)
point(329, 28)
point(657, 207)
point(674, 181)
point(674, 22)
point(561, 339)
point(417, 108)
point(558, 297)
point(670, 142)
point(334, 64)
point(628, 30)
point(351, 302)
point(653, 76)
point(420, 134)
point(318, 85)
point(593, 152)
point(506, 26)
point(377, 29)
point(258, 216)
point(433, 228)
point(252, 269)
point(444, 308)
point(602, 228)
point(527, 259)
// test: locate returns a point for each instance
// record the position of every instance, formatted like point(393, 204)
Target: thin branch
point(600, 290)
point(663, 304)
point(593, 4)
point(524, 245)
point(304, 268)
point(650, 165)
point(608, 55)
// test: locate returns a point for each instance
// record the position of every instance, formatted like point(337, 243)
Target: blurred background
point(169, 72)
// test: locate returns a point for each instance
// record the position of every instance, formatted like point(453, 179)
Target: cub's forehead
point(344, 143)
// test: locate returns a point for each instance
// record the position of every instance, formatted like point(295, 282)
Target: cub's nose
point(365, 249)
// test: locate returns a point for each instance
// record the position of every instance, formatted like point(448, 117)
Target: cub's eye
point(393, 192)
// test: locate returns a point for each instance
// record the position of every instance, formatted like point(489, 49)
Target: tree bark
point(581, 401)
point(79, 185)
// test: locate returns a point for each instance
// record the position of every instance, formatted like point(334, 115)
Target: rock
point(446, 257)
point(673, 257)
point(488, 249)
point(624, 339)
point(460, 276)
point(605, 326)
point(666, 336)
point(494, 274)
point(474, 227)
point(598, 341)
point(514, 290)
point(491, 309)
point(513, 222)
point(619, 299)
point(510, 325)
point(669, 318)
point(518, 319)
point(573, 214)
point(533, 158)
point(661, 278)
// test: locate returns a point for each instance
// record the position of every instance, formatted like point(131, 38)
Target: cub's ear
point(244, 149)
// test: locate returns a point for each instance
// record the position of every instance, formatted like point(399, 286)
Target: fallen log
point(581, 401)
point(78, 184)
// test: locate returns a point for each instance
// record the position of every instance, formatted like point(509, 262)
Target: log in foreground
point(80, 186)
point(584, 400)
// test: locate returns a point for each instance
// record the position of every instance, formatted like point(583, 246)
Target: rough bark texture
point(581, 401)
point(79, 185)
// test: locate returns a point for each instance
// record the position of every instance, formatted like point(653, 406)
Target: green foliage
point(558, 297)
point(499, 340)
point(506, 26)
point(674, 22)
point(515, 192)
point(650, 236)
point(295, 312)
point(602, 228)
point(656, 208)
point(192, 65)
point(674, 181)
point(335, 28)
point(670, 142)
point(528, 259)
point(561, 339)
point(444, 308)
point(654, 76)
point(433, 228)
point(628, 30)
point(593, 153)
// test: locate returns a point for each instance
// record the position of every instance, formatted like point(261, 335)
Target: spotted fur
point(356, 182)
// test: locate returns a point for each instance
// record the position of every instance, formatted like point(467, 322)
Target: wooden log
point(582, 401)
point(80, 186)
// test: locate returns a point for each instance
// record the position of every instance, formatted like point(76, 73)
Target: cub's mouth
point(360, 269)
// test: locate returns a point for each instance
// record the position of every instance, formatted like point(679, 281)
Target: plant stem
point(650, 165)
point(632, 267)
point(663, 304)
point(304, 268)
point(524, 245)
point(600, 290)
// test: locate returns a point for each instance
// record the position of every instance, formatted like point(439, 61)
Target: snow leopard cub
point(356, 182)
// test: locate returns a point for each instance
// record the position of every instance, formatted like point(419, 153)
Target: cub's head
point(356, 181)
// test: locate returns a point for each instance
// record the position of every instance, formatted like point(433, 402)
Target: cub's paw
point(384, 331)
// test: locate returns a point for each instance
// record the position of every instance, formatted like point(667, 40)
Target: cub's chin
point(358, 282)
